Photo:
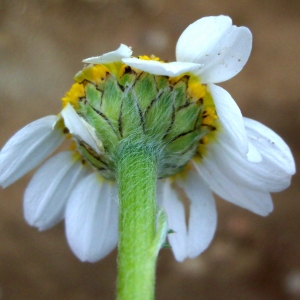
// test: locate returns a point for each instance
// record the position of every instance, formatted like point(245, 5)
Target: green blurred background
point(42, 44)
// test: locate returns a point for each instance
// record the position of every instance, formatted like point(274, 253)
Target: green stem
point(138, 249)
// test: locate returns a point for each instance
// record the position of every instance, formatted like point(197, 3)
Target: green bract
point(167, 115)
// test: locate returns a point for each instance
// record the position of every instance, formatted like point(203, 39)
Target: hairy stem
point(137, 176)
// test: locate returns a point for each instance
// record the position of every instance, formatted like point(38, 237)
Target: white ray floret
point(79, 128)
point(28, 148)
point(202, 221)
point(92, 218)
point(49, 190)
point(115, 56)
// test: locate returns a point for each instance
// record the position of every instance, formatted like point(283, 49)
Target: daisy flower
point(198, 137)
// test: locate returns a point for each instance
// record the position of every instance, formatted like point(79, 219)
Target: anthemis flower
point(198, 136)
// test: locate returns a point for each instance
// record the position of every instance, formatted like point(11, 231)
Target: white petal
point(48, 191)
point(158, 68)
point(92, 219)
point(122, 52)
point(253, 154)
point(221, 48)
point(277, 157)
point(176, 220)
point(200, 37)
point(262, 176)
point(219, 180)
point(203, 214)
point(230, 117)
point(79, 128)
point(28, 148)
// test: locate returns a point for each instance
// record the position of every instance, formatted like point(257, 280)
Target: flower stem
point(138, 242)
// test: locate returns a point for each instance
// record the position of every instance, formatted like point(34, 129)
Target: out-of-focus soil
point(42, 44)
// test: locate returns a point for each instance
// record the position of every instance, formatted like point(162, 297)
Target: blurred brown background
point(42, 44)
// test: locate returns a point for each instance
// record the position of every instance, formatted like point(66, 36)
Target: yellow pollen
point(73, 95)
point(196, 91)
point(209, 116)
point(92, 73)
point(151, 57)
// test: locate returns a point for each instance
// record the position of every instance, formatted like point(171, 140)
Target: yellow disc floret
point(73, 95)
point(209, 116)
point(196, 91)
point(151, 57)
point(92, 73)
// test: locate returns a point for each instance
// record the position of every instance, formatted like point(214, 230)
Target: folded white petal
point(176, 220)
point(231, 118)
point(28, 148)
point(213, 42)
point(219, 180)
point(253, 154)
point(48, 191)
point(199, 38)
point(272, 173)
point(263, 176)
point(92, 218)
point(278, 160)
point(228, 57)
point(203, 215)
point(122, 52)
point(79, 128)
point(159, 68)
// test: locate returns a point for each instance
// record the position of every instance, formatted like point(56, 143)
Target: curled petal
point(28, 148)
point(262, 176)
point(232, 189)
point(48, 191)
point(278, 161)
point(199, 38)
point(115, 56)
point(203, 215)
point(221, 48)
point(159, 68)
point(80, 128)
point(92, 218)
point(253, 154)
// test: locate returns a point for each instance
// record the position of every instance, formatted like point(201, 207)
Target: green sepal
point(185, 120)
point(104, 167)
point(128, 78)
point(162, 82)
point(111, 100)
point(145, 90)
point(104, 128)
point(130, 121)
point(93, 95)
point(159, 115)
point(182, 143)
point(178, 153)
point(180, 94)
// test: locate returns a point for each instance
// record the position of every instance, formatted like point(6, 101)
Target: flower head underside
point(174, 116)
point(175, 110)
